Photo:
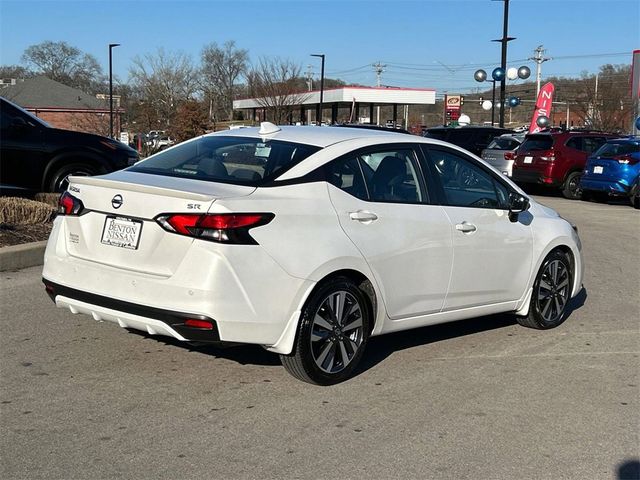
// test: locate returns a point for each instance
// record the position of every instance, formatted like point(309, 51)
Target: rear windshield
point(237, 160)
point(609, 150)
point(536, 142)
point(502, 143)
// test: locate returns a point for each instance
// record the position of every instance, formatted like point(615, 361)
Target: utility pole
point(309, 75)
point(378, 68)
point(539, 58)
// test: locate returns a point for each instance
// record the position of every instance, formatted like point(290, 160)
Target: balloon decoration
point(514, 101)
point(542, 121)
point(497, 74)
point(480, 75)
point(486, 105)
point(524, 72)
point(638, 123)
point(512, 73)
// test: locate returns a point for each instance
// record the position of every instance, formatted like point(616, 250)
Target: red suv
point(556, 158)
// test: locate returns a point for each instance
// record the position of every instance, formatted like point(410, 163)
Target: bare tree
point(65, 63)
point(275, 84)
point(15, 71)
point(603, 100)
point(163, 80)
point(222, 67)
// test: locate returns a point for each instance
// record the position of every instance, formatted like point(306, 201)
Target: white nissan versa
point(307, 241)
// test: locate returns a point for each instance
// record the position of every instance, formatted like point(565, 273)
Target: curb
point(26, 255)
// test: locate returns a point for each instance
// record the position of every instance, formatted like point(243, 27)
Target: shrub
point(22, 211)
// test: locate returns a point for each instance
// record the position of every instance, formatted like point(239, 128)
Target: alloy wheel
point(336, 332)
point(553, 291)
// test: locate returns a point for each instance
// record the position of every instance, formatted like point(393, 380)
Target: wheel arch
point(69, 157)
point(287, 340)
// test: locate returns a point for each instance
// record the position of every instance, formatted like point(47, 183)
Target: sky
point(423, 43)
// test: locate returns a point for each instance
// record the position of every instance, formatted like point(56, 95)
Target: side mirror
point(517, 204)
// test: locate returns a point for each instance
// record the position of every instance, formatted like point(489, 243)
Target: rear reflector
point(202, 324)
point(223, 228)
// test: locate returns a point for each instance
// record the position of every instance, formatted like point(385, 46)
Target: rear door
point(492, 255)
point(384, 208)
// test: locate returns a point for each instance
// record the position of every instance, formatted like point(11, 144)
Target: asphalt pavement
point(477, 399)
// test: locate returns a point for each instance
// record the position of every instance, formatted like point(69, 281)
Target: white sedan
point(308, 241)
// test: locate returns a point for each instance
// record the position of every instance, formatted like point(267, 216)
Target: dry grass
point(21, 211)
point(48, 198)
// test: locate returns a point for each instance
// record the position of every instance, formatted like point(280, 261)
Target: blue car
point(613, 170)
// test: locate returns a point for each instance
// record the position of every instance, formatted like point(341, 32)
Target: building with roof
point(62, 106)
point(345, 104)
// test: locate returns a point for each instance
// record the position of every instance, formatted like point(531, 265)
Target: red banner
point(543, 106)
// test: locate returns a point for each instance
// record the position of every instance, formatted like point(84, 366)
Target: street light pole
point(111, 47)
point(319, 110)
point(503, 63)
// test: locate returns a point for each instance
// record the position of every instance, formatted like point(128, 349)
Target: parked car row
point(586, 164)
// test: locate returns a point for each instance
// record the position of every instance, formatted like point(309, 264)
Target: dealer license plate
point(598, 169)
point(121, 232)
point(528, 159)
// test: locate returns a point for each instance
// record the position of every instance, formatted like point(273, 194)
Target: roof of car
point(314, 135)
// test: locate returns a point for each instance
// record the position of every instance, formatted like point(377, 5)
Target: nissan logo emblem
point(116, 202)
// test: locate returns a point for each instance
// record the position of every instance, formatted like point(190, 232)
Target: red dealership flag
point(543, 106)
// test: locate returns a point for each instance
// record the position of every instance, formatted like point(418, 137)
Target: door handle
point(363, 216)
point(466, 227)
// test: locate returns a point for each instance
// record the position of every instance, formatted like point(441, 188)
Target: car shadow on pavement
point(379, 348)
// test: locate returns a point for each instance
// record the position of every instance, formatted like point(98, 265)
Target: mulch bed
point(17, 234)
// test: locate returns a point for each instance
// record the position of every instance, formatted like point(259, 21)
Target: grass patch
point(22, 211)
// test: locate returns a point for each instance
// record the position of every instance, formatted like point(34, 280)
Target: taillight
point(69, 205)
point(547, 156)
point(626, 160)
point(218, 227)
point(510, 155)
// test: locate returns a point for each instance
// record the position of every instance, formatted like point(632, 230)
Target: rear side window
point(536, 142)
point(242, 161)
point(440, 134)
point(378, 176)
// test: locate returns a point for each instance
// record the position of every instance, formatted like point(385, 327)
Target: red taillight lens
point(203, 324)
point(69, 205)
point(509, 155)
point(223, 228)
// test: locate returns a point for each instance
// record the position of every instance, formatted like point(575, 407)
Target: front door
point(492, 255)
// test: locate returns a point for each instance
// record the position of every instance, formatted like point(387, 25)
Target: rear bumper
point(243, 290)
point(155, 321)
point(604, 186)
point(532, 176)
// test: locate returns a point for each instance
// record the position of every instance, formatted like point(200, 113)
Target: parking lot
point(483, 398)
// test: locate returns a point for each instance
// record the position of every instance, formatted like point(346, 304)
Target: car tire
point(634, 195)
point(329, 345)
point(551, 293)
point(59, 180)
point(571, 188)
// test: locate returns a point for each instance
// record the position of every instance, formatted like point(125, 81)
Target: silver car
point(500, 153)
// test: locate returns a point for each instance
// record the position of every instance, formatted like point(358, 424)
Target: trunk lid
point(129, 202)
